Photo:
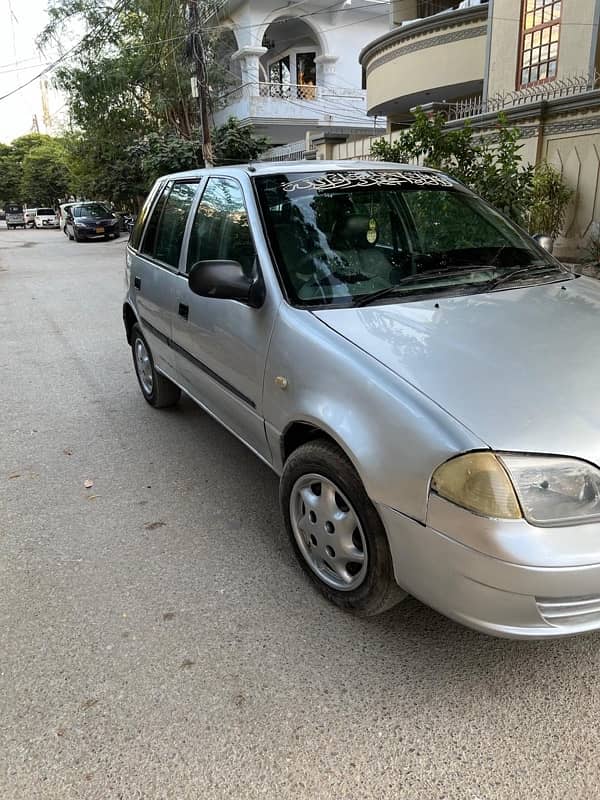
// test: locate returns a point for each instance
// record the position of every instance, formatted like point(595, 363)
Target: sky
point(19, 62)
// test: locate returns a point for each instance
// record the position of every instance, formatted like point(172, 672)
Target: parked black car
point(91, 221)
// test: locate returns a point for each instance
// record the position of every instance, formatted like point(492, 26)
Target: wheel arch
point(129, 320)
point(300, 431)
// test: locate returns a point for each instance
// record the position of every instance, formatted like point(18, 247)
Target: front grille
point(569, 610)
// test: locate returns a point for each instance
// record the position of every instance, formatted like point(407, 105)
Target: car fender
point(394, 435)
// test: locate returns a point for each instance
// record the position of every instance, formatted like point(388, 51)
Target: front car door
point(154, 268)
point(222, 344)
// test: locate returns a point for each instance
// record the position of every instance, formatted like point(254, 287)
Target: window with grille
point(539, 41)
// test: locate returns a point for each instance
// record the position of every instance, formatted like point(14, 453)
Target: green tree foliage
point(490, 165)
point(45, 178)
point(160, 153)
point(34, 170)
point(128, 90)
point(234, 143)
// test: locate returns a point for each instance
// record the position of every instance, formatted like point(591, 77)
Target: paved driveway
point(157, 639)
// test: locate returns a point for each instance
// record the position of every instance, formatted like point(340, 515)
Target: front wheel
point(335, 530)
point(159, 391)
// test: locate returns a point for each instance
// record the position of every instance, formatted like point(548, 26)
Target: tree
point(128, 90)
point(45, 175)
point(161, 153)
point(33, 168)
point(234, 143)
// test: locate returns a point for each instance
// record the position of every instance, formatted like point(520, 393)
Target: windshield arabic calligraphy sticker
point(360, 179)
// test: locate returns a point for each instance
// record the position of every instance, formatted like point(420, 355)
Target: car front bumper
point(489, 593)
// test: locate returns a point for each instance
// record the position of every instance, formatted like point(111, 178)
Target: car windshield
point(91, 210)
point(349, 237)
point(45, 212)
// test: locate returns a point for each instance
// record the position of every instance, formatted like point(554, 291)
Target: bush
point(549, 200)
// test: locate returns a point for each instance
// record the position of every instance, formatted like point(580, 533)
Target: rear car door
point(222, 344)
point(154, 268)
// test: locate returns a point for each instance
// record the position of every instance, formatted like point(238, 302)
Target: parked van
point(14, 216)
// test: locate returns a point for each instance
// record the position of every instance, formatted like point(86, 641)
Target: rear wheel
point(159, 391)
point(335, 530)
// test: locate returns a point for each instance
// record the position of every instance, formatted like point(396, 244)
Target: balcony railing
point(553, 90)
point(292, 92)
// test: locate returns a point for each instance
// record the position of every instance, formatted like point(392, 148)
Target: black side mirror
point(226, 280)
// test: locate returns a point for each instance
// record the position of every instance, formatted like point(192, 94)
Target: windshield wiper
point(422, 277)
point(523, 272)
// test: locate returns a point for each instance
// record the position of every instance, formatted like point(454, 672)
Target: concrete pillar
point(326, 71)
point(248, 59)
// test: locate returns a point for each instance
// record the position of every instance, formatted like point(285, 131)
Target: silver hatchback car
point(418, 371)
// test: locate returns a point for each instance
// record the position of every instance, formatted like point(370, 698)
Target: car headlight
point(479, 483)
point(555, 491)
point(546, 490)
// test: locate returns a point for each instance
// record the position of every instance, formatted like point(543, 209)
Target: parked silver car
point(418, 371)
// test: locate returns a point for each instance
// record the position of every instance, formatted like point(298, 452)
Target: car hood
point(518, 367)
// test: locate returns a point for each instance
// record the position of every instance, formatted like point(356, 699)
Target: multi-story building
point(294, 65)
point(535, 60)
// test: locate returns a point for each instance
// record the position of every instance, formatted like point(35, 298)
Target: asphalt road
point(157, 639)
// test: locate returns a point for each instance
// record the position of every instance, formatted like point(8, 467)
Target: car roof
point(276, 167)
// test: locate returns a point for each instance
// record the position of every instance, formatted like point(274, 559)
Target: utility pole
point(200, 80)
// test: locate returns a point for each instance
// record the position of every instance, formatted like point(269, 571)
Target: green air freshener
point(372, 232)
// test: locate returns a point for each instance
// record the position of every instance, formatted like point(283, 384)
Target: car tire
point(76, 236)
point(319, 490)
point(159, 391)
point(117, 234)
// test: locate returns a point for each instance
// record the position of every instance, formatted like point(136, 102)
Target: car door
point(154, 269)
point(222, 344)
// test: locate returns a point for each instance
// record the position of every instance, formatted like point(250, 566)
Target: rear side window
point(221, 228)
point(164, 234)
point(138, 228)
point(171, 228)
point(150, 234)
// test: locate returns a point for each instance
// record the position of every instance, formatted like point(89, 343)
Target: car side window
point(138, 228)
point(171, 222)
point(221, 229)
point(149, 239)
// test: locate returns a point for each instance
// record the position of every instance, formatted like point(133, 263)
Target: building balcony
point(285, 111)
point(440, 58)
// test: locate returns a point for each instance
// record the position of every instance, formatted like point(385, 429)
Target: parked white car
point(45, 218)
point(30, 217)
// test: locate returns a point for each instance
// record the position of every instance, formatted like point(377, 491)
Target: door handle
point(184, 311)
point(137, 282)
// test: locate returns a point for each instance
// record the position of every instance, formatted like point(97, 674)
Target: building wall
point(416, 67)
point(577, 47)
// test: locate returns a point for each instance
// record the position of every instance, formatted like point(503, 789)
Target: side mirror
point(547, 242)
point(226, 280)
